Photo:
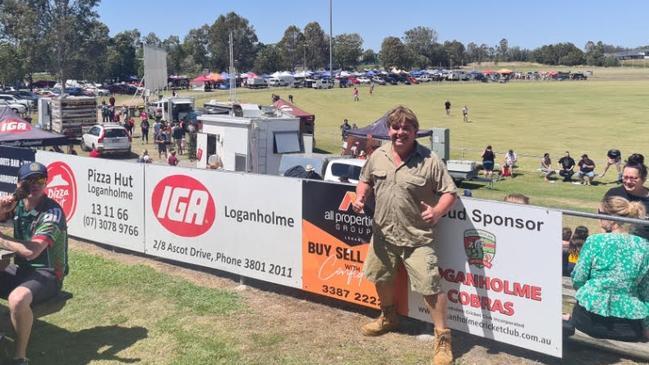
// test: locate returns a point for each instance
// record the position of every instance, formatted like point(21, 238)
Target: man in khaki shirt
point(413, 191)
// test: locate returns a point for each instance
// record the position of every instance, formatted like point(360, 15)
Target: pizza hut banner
point(102, 199)
point(500, 265)
point(240, 223)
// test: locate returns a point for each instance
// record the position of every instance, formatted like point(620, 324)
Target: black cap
point(30, 169)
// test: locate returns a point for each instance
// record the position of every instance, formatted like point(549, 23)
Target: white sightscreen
point(155, 68)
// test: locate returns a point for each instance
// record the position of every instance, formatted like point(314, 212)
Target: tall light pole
point(331, 71)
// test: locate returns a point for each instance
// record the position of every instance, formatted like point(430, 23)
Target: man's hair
point(401, 115)
point(517, 198)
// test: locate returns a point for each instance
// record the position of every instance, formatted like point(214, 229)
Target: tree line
point(66, 38)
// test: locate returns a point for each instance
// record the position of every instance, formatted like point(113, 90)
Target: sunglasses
point(599, 211)
point(42, 180)
point(632, 178)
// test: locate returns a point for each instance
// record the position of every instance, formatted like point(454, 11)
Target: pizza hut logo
point(14, 125)
point(480, 247)
point(183, 205)
point(62, 187)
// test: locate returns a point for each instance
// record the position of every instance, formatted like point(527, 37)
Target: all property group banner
point(102, 199)
point(335, 241)
point(240, 223)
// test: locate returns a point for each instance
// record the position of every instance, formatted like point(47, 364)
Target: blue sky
point(524, 24)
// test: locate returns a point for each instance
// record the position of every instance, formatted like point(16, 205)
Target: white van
point(323, 84)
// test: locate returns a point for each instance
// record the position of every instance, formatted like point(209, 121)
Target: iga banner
point(240, 223)
point(334, 244)
point(102, 199)
point(11, 158)
point(501, 272)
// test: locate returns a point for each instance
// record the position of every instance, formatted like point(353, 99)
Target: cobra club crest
point(480, 247)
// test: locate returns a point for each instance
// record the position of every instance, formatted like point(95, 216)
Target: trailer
point(253, 141)
point(172, 109)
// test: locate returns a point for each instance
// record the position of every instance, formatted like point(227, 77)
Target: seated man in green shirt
point(40, 242)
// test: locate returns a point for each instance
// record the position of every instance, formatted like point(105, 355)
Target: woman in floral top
point(612, 278)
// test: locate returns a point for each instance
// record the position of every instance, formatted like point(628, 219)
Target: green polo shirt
point(399, 189)
point(46, 222)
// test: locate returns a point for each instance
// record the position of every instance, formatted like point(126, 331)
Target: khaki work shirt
point(398, 191)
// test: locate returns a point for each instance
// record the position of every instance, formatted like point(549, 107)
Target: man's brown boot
point(388, 321)
point(442, 350)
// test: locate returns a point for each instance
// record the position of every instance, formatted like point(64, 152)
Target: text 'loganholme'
point(488, 284)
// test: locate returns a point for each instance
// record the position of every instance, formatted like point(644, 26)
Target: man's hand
point(7, 204)
point(358, 205)
point(428, 213)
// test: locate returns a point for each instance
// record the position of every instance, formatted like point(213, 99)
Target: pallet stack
point(72, 116)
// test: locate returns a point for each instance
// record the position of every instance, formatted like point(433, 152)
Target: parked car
point(323, 84)
point(364, 80)
point(16, 107)
point(378, 80)
point(25, 95)
point(257, 83)
point(11, 99)
point(107, 138)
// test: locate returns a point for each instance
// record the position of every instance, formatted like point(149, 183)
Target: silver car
point(107, 138)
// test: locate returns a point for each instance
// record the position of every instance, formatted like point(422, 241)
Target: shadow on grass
point(53, 345)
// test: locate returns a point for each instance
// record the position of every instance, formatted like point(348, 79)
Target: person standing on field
point(447, 107)
point(465, 113)
point(413, 191)
point(355, 92)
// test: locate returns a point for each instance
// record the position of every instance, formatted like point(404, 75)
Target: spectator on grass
point(344, 128)
point(612, 278)
point(178, 134)
point(144, 127)
point(105, 112)
point(488, 161)
point(447, 107)
point(546, 167)
point(517, 198)
point(157, 127)
point(40, 241)
point(508, 165)
point(574, 247)
point(290, 98)
point(634, 175)
point(614, 158)
point(172, 160)
point(586, 170)
point(355, 93)
point(71, 150)
point(567, 166)
point(465, 113)
point(144, 157)
point(162, 140)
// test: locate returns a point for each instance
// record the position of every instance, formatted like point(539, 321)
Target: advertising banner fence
point(102, 199)
point(240, 223)
point(335, 240)
point(501, 272)
point(500, 263)
point(10, 160)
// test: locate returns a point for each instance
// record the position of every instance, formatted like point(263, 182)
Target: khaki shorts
point(383, 260)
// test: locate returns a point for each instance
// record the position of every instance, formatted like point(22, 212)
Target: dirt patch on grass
point(286, 326)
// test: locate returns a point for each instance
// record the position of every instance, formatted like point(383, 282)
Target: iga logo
point(183, 205)
point(14, 125)
point(480, 247)
point(62, 187)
